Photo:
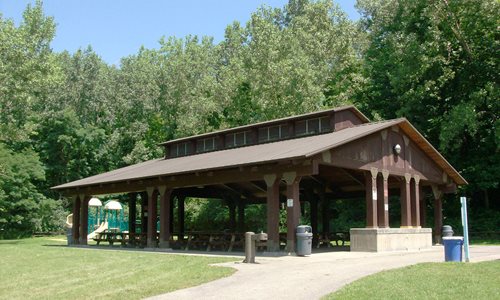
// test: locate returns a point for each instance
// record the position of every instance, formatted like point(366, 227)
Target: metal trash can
point(447, 231)
point(453, 248)
point(304, 240)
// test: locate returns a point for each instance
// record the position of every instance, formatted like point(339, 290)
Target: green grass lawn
point(483, 242)
point(428, 281)
point(44, 268)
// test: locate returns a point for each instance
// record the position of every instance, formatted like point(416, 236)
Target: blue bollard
point(453, 248)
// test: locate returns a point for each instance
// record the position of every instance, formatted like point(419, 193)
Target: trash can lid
point(453, 238)
point(303, 229)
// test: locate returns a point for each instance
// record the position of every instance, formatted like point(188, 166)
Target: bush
point(51, 216)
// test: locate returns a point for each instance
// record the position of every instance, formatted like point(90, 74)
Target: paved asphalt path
point(291, 277)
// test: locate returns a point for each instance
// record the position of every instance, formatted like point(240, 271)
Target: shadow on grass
point(235, 254)
point(9, 242)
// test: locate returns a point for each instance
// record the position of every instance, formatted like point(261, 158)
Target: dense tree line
point(65, 115)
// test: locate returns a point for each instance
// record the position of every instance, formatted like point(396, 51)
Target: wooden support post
point(84, 219)
point(423, 209)
point(76, 220)
point(325, 211)
point(132, 212)
point(180, 215)
point(405, 202)
point(383, 199)
point(292, 208)
point(415, 201)
point(232, 214)
point(438, 214)
point(144, 212)
point(171, 214)
point(241, 215)
point(273, 212)
point(152, 214)
point(371, 198)
point(313, 202)
point(165, 203)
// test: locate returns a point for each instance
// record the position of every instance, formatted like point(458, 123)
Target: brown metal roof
point(270, 122)
point(254, 154)
point(262, 153)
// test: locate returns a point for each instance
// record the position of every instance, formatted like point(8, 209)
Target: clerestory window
point(273, 133)
point(238, 139)
point(180, 149)
point(312, 126)
point(204, 145)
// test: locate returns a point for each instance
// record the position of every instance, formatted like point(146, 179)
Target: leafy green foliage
point(19, 198)
point(27, 70)
point(65, 116)
point(69, 150)
point(436, 63)
point(206, 215)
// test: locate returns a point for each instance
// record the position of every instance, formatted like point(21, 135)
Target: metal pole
point(463, 200)
point(249, 248)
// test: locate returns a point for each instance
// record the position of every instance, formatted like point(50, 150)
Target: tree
point(436, 63)
point(27, 70)
point(69, 150)
point(87, 88)
point(19, 197)
point(188, 83)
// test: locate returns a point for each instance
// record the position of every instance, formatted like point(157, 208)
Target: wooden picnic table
point(223, 241)
point(124, 238)
point(191, 240)
point(337, 237)
point(111, 237)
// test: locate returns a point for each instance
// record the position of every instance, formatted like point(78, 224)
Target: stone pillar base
point(390, 239)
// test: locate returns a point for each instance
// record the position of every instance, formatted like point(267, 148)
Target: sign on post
point(463, 201)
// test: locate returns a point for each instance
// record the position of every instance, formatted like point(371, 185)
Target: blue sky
point(116, 29)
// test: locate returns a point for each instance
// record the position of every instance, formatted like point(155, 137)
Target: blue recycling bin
point(453, 248)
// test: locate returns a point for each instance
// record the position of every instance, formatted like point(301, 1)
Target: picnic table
point(209, 240)
point(123, 237)
point(337, 237)
point(223, 241)
point(191, 240)
point(111, 237)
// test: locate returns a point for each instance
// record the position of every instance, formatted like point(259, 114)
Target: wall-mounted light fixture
point(396, 149)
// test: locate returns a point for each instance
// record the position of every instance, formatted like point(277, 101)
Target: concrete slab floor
point(292, 277)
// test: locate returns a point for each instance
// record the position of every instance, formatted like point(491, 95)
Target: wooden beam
point(273, 209)
point(405, 202)
point(351, 175)
point(191, 180)
point(293, 208)
point(371, 198)
point(257, 186)
point(319, 182)
point(76, 219)
point(165, 203)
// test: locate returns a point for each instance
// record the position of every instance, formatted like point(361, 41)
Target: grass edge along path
point(428, 281)
point(45, 268)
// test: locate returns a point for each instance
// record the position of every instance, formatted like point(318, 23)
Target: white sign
point(289, 202)
point(386, 206)
point(374, 195)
